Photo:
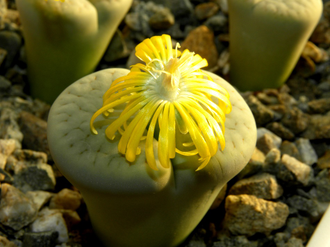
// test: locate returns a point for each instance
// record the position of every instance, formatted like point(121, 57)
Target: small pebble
point(306, 150)
point(206, 10)
point(262, 185)
point(16, 209)
point(201, 41)
point(53, 221)
point(66, 199)
point(294, 171)
point(248, 215)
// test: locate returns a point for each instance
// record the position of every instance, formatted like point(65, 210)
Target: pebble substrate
point(277, 200)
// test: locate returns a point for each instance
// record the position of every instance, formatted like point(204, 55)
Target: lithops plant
point(65, 40)
point(152, 155)
point(267, 38)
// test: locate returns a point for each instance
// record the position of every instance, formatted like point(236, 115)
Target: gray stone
point(53, 221)
point(262, 185)
point(162, 19)
point(16, 209)
point(293, 171)
point(146, 16)
point(40, 239)
point(306, 150)
point(305, 205)
point(248, 215)
point(35, 177)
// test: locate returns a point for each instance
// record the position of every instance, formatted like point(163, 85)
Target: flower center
point(169, 94)
point(170, 80)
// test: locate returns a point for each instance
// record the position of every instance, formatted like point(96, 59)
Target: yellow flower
point(167, 95)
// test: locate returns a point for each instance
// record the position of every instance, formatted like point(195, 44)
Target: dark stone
point(225, 241)
point(30, 157)
point(318, 128)
point(162, 19)
point(16, 209)
point(281, 131)
point(35, 177)
point(261, 113)
point(34, 130)
point(319, 106)
point(206, 10)
point(218, 23)
point(291, 149)
point(322, 181)
point(11, 42)
point(117, 48)
point(304, 204)
point(295, 120)
point(40, 239)
point(7, 177)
